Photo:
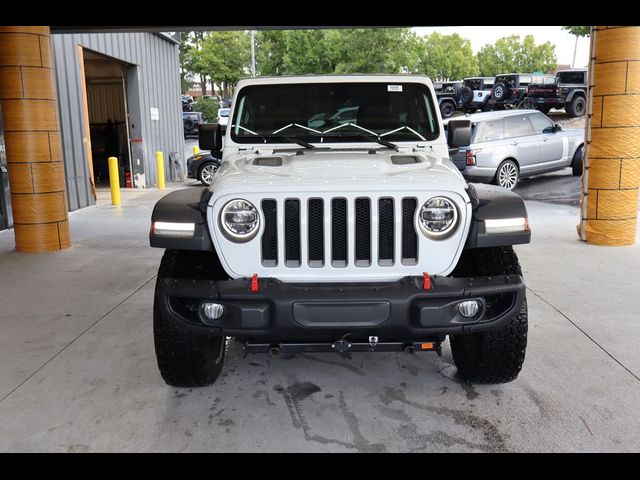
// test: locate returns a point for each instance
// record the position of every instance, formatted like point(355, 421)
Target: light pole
point(253, 54)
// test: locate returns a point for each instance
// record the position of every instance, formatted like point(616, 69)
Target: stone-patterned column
point(612, 175)
point(32, 140)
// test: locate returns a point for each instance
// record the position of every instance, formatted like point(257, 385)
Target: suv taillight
point(557, 91)
point(471, 157)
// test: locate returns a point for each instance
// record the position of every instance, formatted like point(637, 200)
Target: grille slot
point(385, 232)
point(363, 232)
point(316, 232)
point(409, 236)
point(339, 232)
point(270, 234)
point(292, 256)
point(382, 231)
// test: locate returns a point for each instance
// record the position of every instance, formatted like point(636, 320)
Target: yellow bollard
point(160, 169)
point(114, 181)
point(196, 150)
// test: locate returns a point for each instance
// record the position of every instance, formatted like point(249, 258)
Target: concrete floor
point(78, 371)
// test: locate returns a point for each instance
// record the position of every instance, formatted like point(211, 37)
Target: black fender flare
point(187, 205)
point(495, 203)
point(578, 91)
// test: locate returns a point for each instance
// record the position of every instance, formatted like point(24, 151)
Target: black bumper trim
point(410, 312)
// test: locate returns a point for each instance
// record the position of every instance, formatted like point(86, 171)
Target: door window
point(540, 123)
point(516, 126)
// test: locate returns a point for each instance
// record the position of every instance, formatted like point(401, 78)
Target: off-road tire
point(188, 355)
point(447, 109)
point(576, 163)
point(493, 356)
point(466, 95)
point(501, 92)
point(577, 106)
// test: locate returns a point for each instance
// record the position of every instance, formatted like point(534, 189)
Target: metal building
point(119, 95)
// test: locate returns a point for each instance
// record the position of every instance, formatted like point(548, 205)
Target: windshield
point(334, 112)
point(224, 112)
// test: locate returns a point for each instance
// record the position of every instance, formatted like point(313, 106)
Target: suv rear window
point(489, 130)
point(571, 77)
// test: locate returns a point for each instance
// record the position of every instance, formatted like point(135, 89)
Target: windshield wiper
point(264, 137)
point(368, 134)
point(300, 142)
point(364, 136)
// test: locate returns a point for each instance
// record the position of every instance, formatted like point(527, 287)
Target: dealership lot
point(78, 371)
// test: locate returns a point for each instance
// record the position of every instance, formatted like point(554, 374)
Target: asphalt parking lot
point(78, 371)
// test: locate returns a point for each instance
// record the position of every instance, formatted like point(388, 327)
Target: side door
point(519, 135)
point(554, 145)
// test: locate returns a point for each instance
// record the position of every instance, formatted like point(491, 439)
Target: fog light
point(469, 308)
point(213, 311)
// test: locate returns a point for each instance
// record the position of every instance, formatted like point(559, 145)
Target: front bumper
point(400, 311)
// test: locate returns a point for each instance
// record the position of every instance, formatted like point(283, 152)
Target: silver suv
point(508, 145)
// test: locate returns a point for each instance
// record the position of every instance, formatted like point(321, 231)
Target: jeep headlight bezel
point(239, 231)
point(438, 218)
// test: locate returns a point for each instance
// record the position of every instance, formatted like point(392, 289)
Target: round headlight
point(438, 218)
point(239, 220)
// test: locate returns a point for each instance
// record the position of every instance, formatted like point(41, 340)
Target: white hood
point(337, 171)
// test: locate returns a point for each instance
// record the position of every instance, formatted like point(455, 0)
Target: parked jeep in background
point(475, 93)
point(190, 122)
point(568, 91)
point(509, 90)
point(359, 237)
point(448, 97)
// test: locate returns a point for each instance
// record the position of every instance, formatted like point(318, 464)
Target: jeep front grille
point(338, 232)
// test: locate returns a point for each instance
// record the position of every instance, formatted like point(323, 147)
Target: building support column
point(610, 182)
point(32, 140)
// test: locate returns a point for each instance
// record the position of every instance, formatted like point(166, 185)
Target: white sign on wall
point(155, 113)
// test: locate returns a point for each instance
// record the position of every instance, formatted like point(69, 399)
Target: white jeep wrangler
point(336, 222)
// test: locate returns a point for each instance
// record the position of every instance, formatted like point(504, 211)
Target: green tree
point(190, 60)
point(578, 31)
point(377, 50)
point(445, 57)
point(307, 52)
point(224, 57)
point(271, 47)
point(510, 55)
point(209, 108)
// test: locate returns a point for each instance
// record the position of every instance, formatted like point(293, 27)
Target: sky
point(563, 40)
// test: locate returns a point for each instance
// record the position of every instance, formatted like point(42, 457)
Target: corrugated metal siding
point(159, 81)
point(106, 102)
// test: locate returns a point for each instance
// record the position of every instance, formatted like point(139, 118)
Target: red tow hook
point(254, 283)
point(426, 281)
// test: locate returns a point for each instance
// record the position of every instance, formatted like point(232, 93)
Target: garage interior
point(107, 109)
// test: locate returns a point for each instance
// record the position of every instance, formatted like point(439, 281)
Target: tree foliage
point(209, 108)
point(225, 57)
point(445, 57)
point(511, 55)
point(578, 31)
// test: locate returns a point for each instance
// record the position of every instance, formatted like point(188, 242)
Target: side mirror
point(459, 133)
point(210, 136)
point(557, 127)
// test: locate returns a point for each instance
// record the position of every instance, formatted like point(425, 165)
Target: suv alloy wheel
point(507, 175)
